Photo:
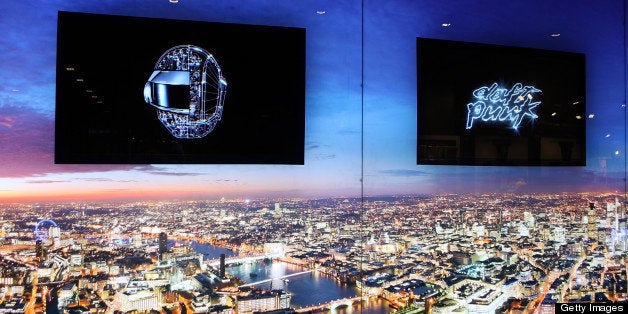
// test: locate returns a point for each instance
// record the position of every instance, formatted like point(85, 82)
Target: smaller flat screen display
point(138, 90)
point(490, 105)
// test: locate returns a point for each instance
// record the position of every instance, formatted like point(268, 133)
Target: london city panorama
point(475, 253)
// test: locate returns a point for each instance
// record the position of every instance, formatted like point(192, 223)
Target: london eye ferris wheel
point(42, 228)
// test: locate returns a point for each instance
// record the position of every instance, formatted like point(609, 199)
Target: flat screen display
point(144, 90)
point(490, 105)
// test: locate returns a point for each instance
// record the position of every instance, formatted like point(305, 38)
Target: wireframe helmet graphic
point(188, 90)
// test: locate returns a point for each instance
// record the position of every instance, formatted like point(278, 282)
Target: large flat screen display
point(481, 104)
point(145, 90)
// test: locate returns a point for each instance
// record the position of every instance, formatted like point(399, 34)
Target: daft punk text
point(498, 104)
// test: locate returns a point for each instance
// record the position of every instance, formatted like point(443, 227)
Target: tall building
point(592, 223)
point(278, 208)
point(523, 230)
point(54, 233)
point(40, 250)
point(613, 217)
point(462, 219)
point(558, 234)
point(528, 218)
point(222, 265)
point(163, 243)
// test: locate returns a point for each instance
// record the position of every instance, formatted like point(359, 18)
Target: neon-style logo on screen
point(498, 104)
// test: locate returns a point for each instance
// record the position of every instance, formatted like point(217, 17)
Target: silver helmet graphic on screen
point(188, 90)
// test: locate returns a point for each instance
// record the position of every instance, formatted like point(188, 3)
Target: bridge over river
point(271, 279)
point(243, 259)
point(331, 305)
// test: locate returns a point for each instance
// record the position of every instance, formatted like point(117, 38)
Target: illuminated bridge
point(271, 279)
point(331, 305)
point(52, 283)
point(243, 259)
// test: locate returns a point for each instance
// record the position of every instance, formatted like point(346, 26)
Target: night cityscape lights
point(499, 104)
point(188, 90)
point(491, 253)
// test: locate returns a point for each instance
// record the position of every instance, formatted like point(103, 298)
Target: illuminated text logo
point(497, 104)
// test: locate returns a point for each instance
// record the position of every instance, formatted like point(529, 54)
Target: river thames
point(306, 289)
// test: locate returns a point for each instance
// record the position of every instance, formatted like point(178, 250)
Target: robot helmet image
point(188, 90)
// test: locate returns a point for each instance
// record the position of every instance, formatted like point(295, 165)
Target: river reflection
point(307, 289)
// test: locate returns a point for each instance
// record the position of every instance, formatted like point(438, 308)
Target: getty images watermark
point(591, 308)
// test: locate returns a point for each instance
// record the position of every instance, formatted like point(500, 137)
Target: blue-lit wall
point(390, 89)
point(360, 97)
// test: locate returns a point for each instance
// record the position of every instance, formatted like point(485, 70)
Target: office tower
point(222, 265)
point(592, 223)
point(461, 217)
point(163, 243)
point(558, 234)
point(523, 230)
point(40, 250)
point(278, 208)
point(528, 218)
point(54, 232)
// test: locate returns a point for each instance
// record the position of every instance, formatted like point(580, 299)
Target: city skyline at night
point(526, 251)
point(356, 225)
